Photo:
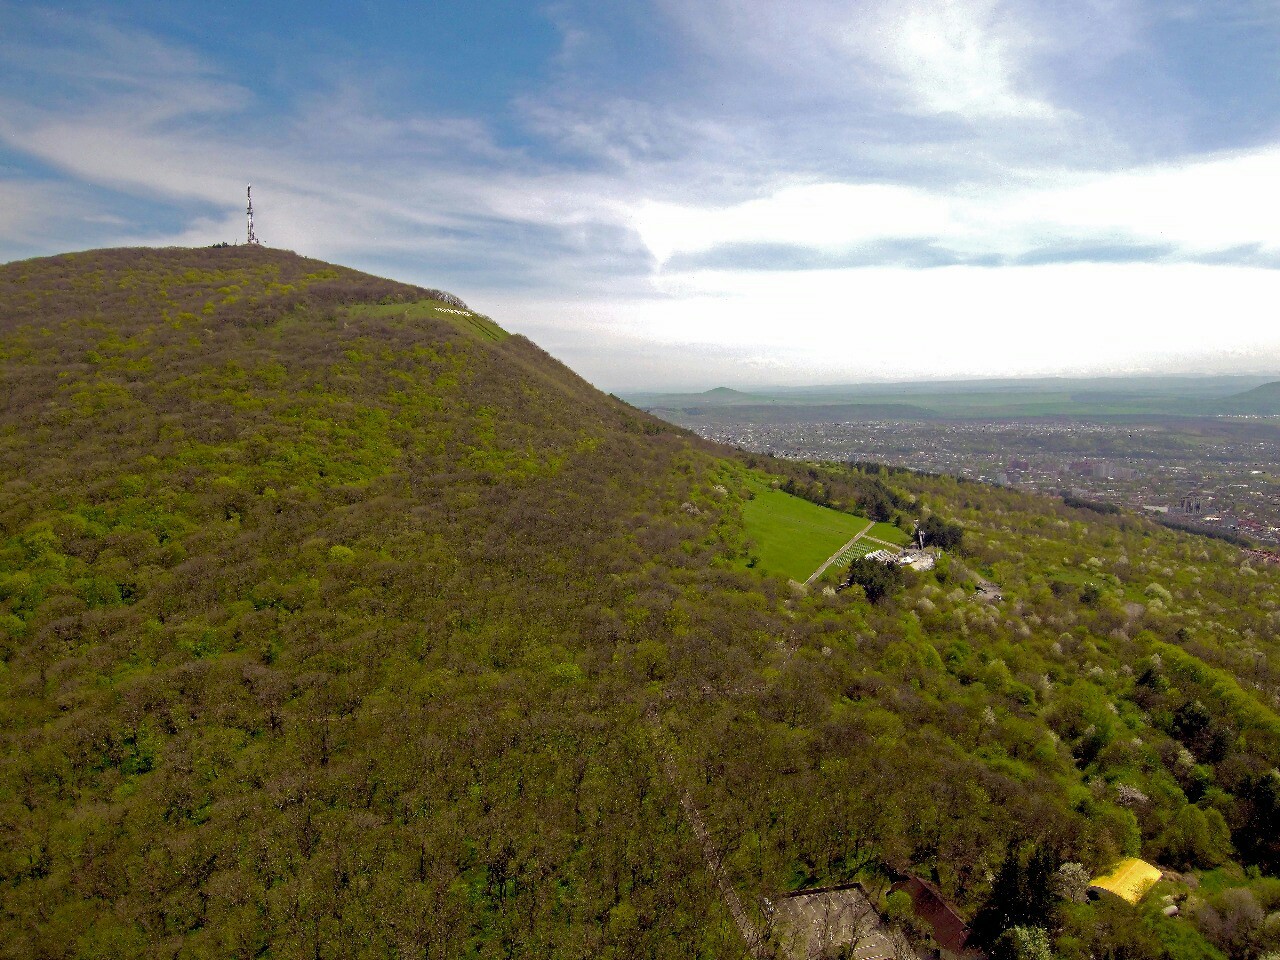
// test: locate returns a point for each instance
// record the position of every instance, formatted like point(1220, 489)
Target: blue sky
point(686, 193)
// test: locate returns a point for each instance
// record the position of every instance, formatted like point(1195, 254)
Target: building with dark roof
point(950, 932)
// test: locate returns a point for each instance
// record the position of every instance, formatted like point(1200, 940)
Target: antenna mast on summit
point(249, 195)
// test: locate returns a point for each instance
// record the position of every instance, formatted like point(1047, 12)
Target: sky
point(683, 194)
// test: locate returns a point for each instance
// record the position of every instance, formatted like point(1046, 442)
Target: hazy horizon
point(1240, 380)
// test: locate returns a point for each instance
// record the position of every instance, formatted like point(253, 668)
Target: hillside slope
point(305, 609)
point(334, 621)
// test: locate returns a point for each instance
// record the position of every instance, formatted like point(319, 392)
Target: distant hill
point(337, 621)
point(975, 399)
point(1263, 400)
point(781, 412)
point(716, 397)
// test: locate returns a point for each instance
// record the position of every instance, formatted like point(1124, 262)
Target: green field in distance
point(793, 536)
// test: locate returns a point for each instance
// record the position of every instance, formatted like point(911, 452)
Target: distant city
point(1217, 474)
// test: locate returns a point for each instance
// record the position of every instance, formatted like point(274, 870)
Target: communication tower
point(249, 194)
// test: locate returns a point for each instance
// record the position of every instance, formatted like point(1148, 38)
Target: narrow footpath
point(840, 553)
point(751, 935)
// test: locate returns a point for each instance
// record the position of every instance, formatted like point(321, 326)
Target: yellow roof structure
point(1129, 879)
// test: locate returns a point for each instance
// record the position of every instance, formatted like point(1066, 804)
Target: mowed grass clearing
point(889, 534)
point(792, 536)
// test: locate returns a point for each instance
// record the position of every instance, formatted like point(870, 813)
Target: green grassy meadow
point(889, 534)
point(793, 536)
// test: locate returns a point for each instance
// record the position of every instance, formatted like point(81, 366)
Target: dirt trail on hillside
point(751, 934)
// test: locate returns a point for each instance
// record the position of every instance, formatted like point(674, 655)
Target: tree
point(1232, 921)
point(1022, 895)
point(938, 533)
point(1071, 882)
point(900, 909)
point(878, 580)
point(1023, 943)
point(1260, 833)
point(1197, 838)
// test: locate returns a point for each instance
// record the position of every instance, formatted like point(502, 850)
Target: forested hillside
point(336, 622)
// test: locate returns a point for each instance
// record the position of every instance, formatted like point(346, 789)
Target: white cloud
point(21, 206)
point(964, 57)
point(97, 64)
point(1197, 207)
point(33, 210)
point(882, 323)
point(821, 216)
point(1200, 205)
point(958, 56)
